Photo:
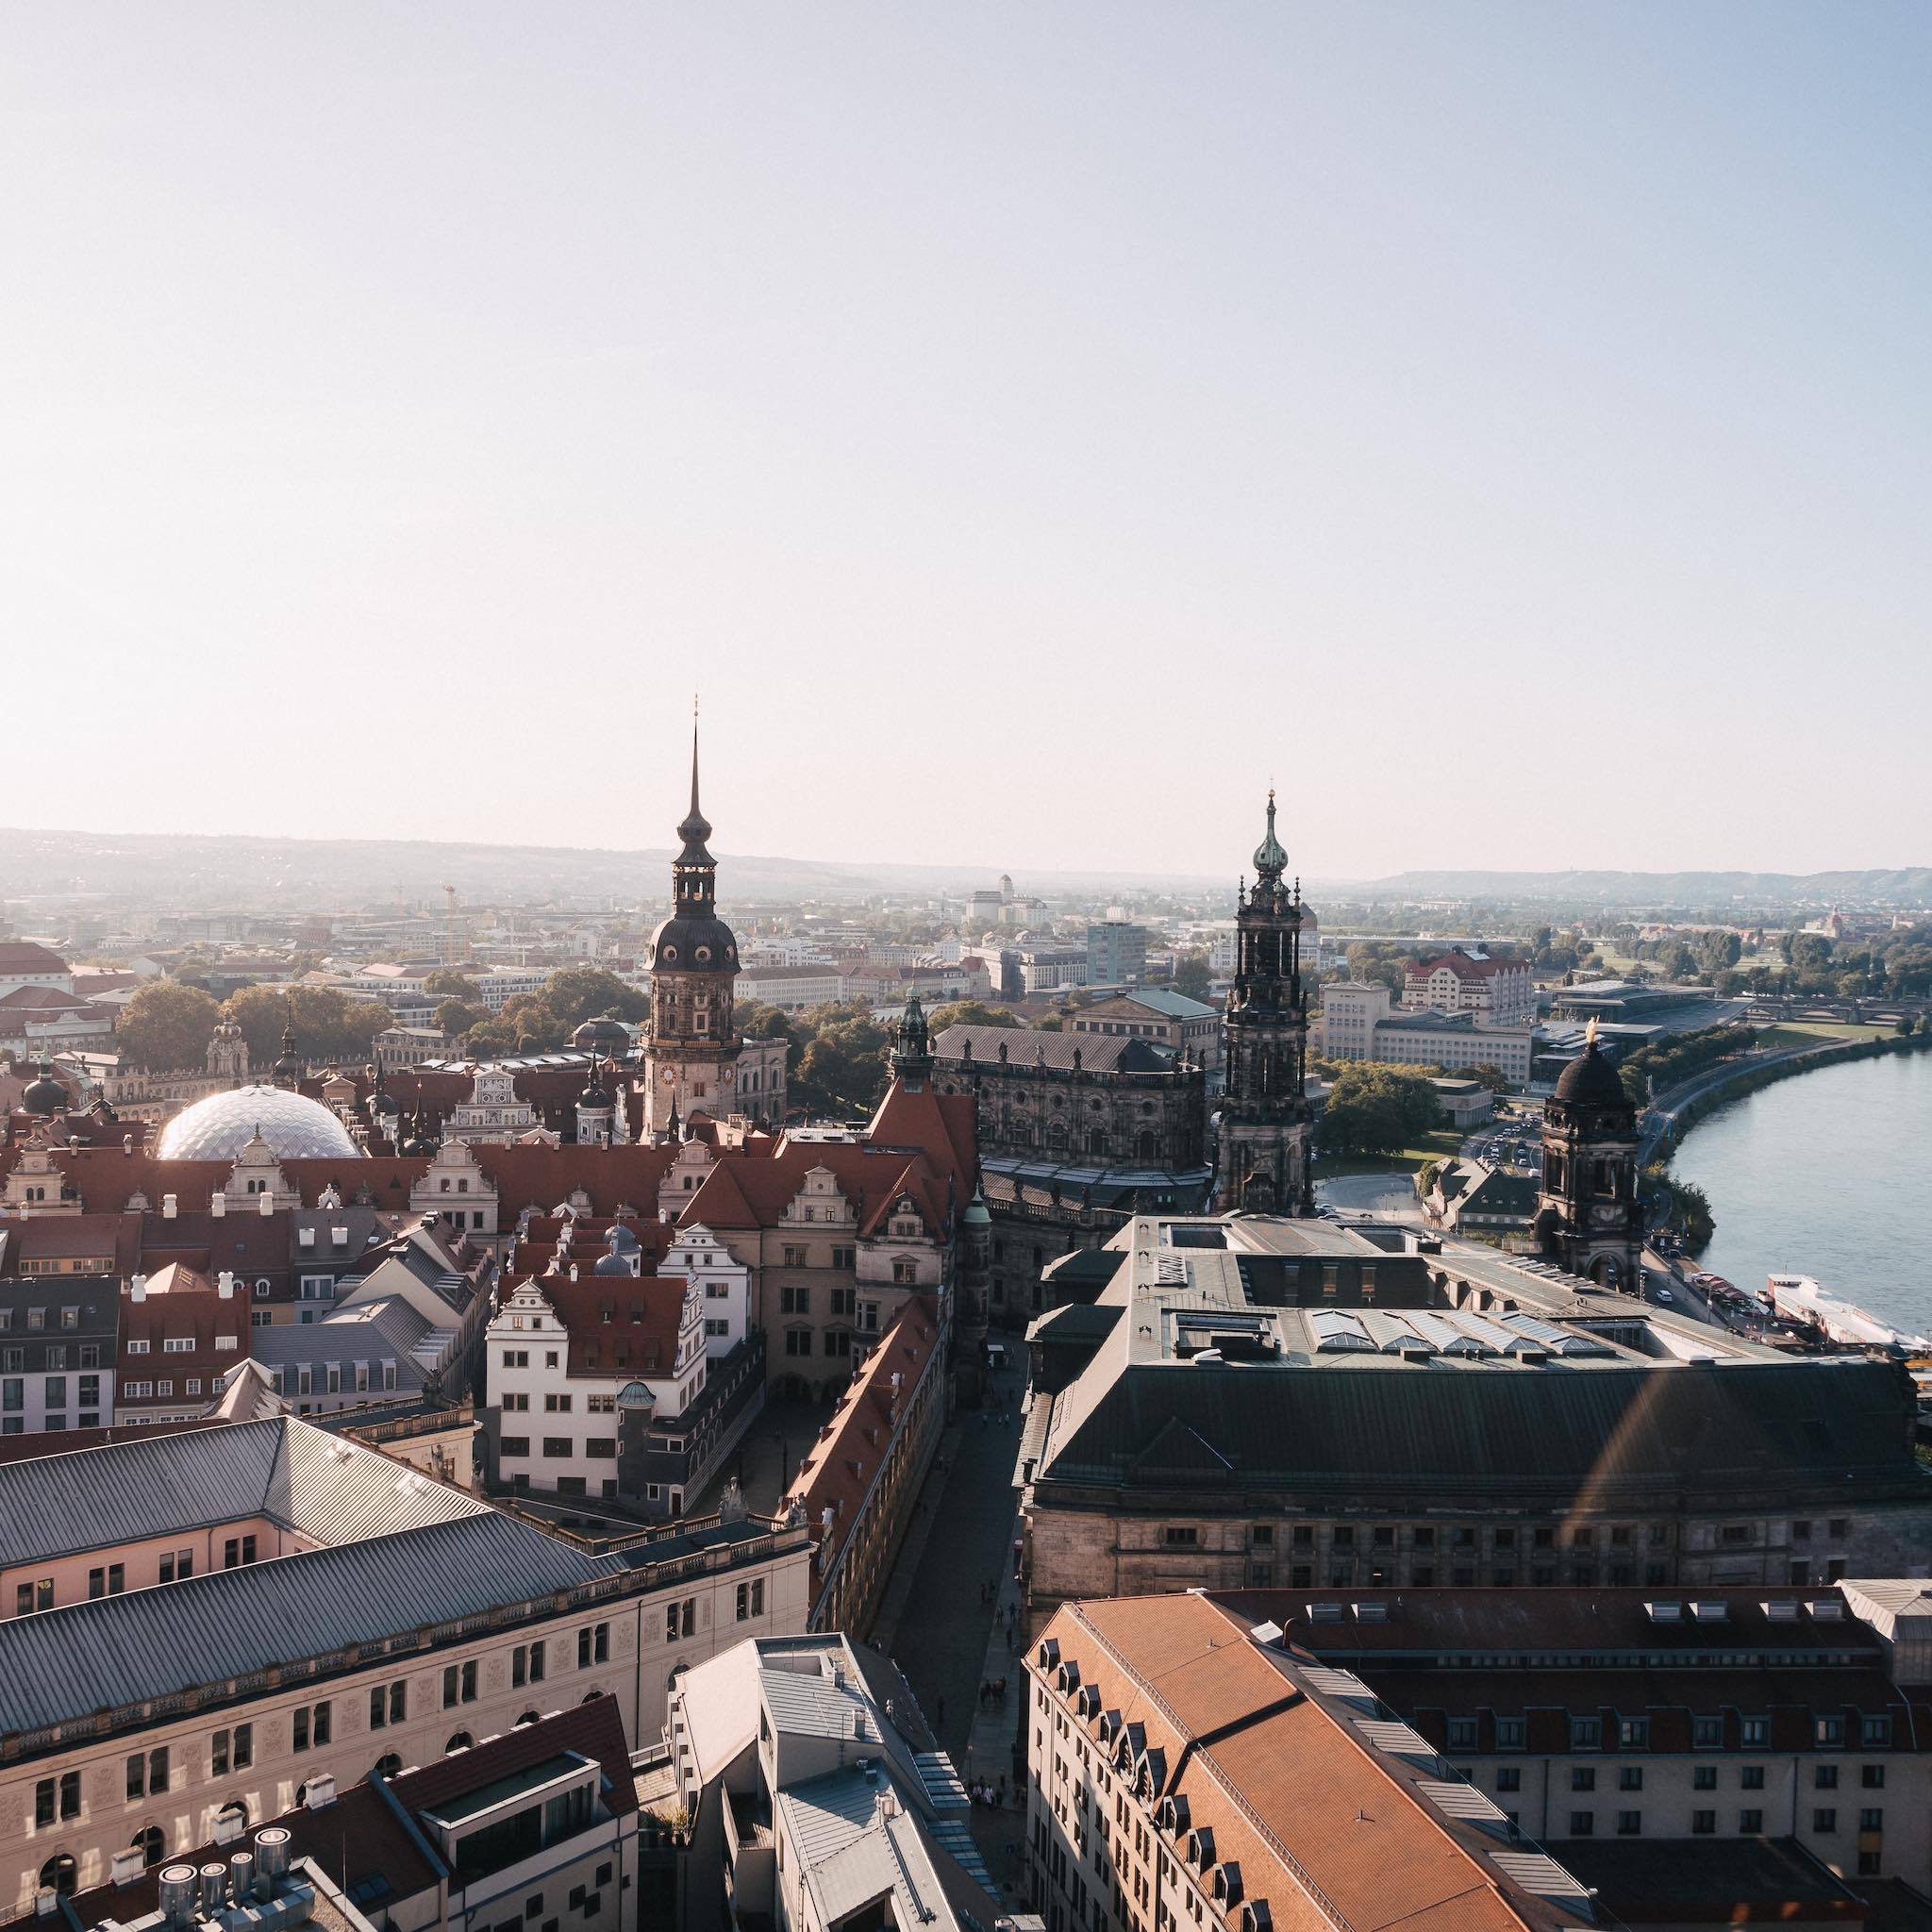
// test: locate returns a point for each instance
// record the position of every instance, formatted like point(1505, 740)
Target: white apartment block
point(1500, 993)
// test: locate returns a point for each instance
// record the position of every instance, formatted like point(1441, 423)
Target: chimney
point(321, 1793)
point(218, 1206)
point(268, 1202)
point(127, 1866)
point(225, 1286)
point(171, 1206)
point(270, 1859)
point(137, 1288)
point(178, 1894)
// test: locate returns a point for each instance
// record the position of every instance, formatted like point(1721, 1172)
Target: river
point(1823, 1175)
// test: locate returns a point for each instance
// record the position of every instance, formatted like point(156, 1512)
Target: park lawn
point(1815, 1033)
point(1438, 1145)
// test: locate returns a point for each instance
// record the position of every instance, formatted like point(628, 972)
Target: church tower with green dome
point(1261, 1154)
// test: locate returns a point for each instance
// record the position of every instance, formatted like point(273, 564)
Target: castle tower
point(1261, 1157)
point(227, 1054)
point(1588, 1216)
point(912, 1054)
point(288, 1065)
point(597, 1108)
point(692, 1049)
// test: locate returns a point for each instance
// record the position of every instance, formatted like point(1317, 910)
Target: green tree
point(841, 1065)
point(166, 1025)
point(758, 1020)
point(456, 1016)
point(1373, 1108)
point(448, 985)
point(329, 1025)
point(576, 993)
point(970, 1014)
point(1191, 976)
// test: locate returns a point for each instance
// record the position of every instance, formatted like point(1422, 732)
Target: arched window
point(529, 1717)
point(1143, 1148)
point(59, 1873)
point(1055, 1139)
point(1096, 1140)
point(462, 1742)
point(389, 1765)
point(151, 1843)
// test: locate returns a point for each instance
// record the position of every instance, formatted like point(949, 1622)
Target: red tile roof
point(944, 1125)
point(182, 1305)
point(24, 955)
point(840, 1466)
point(1465, 968)
point(756, 1193)
point(1266, 1765)
point(617, 1323)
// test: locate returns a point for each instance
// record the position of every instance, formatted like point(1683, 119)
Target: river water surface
point(1826, 1174)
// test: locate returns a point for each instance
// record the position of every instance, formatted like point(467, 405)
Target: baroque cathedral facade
point(1262, 1133)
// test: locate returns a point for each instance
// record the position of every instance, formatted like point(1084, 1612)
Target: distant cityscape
point(605, 1343)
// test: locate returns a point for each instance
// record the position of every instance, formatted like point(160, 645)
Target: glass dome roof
point(220, 1127)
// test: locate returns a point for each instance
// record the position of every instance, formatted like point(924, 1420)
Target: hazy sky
point(1034, 426)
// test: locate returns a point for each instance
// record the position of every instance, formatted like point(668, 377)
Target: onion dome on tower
point(46, 1096)
point(694, 939)
point(288, 1067)
point(1591, 1080)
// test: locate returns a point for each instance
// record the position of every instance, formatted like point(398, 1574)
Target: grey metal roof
point(88, 1499)
point(1028, 1046)
point(123, 1649)
point(1565, 1426)
point(365, 1331)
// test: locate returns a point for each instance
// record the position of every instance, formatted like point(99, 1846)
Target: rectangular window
point(1586, 1733)
point(1630, 1777)
point(559, 1446)
point(1708, 1733)
point(1873, 1777)
point(1582, 1824)
point(1704, 1777)
point(1633, 1733)
point(1508, 1734)
point(459, 1684)
point(1703, 1824)
point(1509, 1778)
point(1629, 1823)
point(1824, 1818)
point(1184, 1536)
point(1824, 1777)
point(1751, 1777)
point(1582, 1777)
point(1751, 1824)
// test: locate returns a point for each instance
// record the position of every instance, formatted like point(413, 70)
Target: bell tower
point(1589, 1219)
point(693, 1050)
point(1262, 1161)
